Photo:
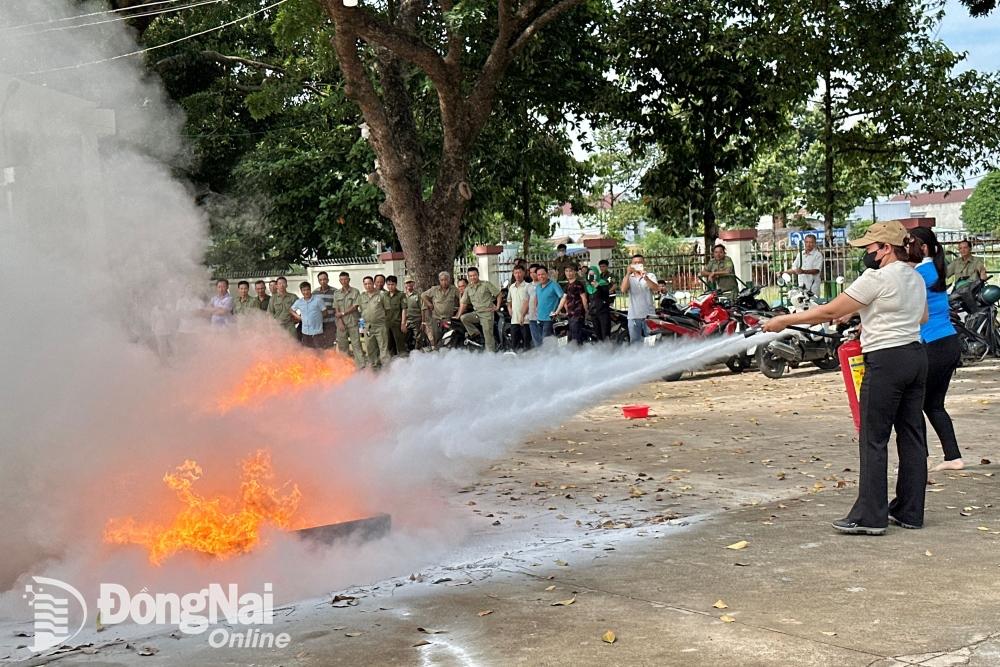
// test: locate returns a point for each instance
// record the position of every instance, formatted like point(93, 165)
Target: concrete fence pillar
point(739, 248)
point(394, 264)
point(489, 262)
point(599, 249)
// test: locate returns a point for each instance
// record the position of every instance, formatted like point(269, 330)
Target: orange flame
point(220, 527)
point(294, 372)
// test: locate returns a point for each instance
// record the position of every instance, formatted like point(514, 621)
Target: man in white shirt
point(808, 266)
point(640, 286)
point(221, 305)
point(518, 303)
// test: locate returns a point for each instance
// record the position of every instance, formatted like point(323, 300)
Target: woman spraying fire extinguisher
point(891, 300)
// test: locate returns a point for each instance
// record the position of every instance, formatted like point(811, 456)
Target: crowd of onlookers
point(383, 320)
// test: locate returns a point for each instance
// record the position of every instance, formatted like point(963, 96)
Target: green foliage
point(625, 216)
point(881, 63)
point(656, 243)
point(709, 84)
point(273, 138)
point(858, 229)
point(981, 211)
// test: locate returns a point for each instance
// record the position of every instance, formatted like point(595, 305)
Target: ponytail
point(936, 253)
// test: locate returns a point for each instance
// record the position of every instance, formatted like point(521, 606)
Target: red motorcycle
point(706, 316)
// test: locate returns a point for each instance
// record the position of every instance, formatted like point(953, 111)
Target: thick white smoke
point(91, 418)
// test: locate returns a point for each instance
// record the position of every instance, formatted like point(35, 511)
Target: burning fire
point(291, 373)
point(221, 526)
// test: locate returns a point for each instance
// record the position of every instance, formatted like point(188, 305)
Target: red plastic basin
point(635, 411)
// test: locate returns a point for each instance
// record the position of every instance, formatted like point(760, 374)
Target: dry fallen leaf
point(431, 632)
point(486, 612)
point(982, 528)
point(726, 618)
point(609, 637)
point(635, 492)
point(564, 603)
point(928, 553)
point(352, 634)
point(742, 544)
point(830, 634)
point(562, 563)
point(721, 605)
point(550, 588)
point(421, 643)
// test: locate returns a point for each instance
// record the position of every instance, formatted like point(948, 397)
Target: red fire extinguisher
point(852, 366)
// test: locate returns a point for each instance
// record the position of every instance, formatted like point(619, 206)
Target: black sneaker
point(908, 526)
point(848, 527)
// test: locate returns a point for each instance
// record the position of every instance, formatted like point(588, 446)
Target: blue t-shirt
point(311, 312)
point(938, 324)
point(548, 299)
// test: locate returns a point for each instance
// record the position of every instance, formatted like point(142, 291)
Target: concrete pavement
point(628, 525)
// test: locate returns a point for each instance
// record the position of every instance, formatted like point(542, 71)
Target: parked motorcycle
point(816, 344)
point(710, 315)
point(456, 337)
point(974, 316)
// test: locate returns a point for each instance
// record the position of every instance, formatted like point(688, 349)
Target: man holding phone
point(640, 287)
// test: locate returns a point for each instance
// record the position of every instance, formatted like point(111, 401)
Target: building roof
point(932, 198)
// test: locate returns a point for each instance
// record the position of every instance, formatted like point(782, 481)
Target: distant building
point(944, 207)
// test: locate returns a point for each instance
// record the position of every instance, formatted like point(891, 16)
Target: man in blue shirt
point(545, 301)
point(309, 311)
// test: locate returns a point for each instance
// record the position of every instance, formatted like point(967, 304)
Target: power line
point(168, 10)
point(158, 46)
point(100, 13)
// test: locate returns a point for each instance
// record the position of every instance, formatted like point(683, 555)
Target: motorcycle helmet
point(990, 294)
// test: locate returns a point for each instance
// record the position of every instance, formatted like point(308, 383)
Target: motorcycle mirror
point(840, 280)
point(786, 277)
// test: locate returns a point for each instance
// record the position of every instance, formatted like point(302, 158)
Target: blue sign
point(797, 238)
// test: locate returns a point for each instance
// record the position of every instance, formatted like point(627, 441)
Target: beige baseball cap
point(409, 279)
point(892, 232)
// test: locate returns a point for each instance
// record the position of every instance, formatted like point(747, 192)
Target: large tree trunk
point(427, 226)
point(429, 239)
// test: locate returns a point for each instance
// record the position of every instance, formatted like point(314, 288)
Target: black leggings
point(943, 356)
point(892, 395)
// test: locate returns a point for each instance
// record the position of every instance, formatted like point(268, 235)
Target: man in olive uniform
point(559, 265)
point(966, 266)
point(721, 272)
point(482, 299)
point(412, 313)
point(328, 338)
point(440, 302)
point(395, 305)
point(346, 305)
point(280, 307)
point(373, 310)
point(244, 304)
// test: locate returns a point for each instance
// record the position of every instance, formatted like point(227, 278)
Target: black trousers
point(943, 356)
point(520, 337)
point(576, 329)
point(602, 322)
point(892, 397)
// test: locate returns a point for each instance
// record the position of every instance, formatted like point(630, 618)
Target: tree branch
point(537, 24)
point(256, 64)
point(404, 44)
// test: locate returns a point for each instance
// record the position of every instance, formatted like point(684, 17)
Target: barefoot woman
point(943, 348)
